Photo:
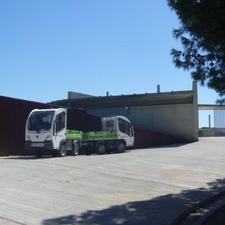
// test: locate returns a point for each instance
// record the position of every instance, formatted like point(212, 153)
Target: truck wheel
point(88, 150)
point(54, 153)
point(39, 153)
point(101, 149)
point(62, 150)
point(121, 147)
point(75, 150)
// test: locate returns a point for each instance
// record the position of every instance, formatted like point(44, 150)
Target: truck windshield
point(40, 121)
point(124, 126)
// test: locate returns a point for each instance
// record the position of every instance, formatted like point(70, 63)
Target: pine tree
point(202, 34)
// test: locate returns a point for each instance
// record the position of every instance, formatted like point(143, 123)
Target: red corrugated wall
point(145, 138)
point(13, 115)
point(80, 120)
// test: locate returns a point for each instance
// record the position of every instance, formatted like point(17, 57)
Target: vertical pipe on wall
point(195, 110)
point(209, 119)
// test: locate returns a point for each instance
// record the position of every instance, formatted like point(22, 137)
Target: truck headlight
point(48, 137)
point(28, 137)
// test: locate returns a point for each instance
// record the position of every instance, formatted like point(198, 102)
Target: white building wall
point(219, 118)
point(174, 120)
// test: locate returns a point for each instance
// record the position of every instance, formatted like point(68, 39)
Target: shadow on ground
point(162, 210)
point(34, 157)
point(31, 157)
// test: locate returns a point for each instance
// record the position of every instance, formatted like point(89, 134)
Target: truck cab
point(122, 126)
point(45, 129)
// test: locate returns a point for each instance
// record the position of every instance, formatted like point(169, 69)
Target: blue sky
point(49, 47)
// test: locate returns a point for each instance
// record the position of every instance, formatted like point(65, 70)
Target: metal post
point(209, 117)
point(158, 88)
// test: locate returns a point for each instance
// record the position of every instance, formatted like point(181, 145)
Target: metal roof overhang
point(166, 98)
point(211, 107)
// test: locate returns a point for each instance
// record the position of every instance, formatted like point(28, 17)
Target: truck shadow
point(28, 157)
point(163, 210)
point(33, 157)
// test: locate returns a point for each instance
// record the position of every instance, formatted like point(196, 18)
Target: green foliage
point(202, 34)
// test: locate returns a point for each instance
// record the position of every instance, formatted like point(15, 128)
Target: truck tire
point(62, 150)
point(121, 146)
point(88, 150)
point(101, 149)
point(54, 153)
point(39, 153)
point(75, 149)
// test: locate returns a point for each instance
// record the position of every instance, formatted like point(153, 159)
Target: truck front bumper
point(46, 145)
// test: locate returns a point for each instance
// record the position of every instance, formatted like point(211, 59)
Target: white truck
point(46, 132)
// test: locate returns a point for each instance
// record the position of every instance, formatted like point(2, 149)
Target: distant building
point(76, 95)
point(169, 113)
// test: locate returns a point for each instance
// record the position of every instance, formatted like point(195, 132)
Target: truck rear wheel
point(121, 146)
point(54, 153)
point(101, 149)
point(88, 150)
point(75, 149)
point(62, 150)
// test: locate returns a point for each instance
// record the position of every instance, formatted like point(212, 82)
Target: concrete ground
point(148, 186)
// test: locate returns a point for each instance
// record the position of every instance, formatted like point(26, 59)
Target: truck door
point(126, 131)
point(59, 129)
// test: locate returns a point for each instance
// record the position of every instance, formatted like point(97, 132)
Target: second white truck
point(46, 132)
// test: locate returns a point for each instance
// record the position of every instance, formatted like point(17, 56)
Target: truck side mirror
point(131, 131)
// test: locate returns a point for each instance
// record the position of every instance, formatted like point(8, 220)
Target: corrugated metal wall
point(145, 138)
point(13, 115)
point(80, 120)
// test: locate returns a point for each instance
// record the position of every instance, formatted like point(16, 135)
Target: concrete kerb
point(211, 201)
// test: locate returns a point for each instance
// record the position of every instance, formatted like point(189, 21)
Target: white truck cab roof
point(58, 110)
point(116, 117)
